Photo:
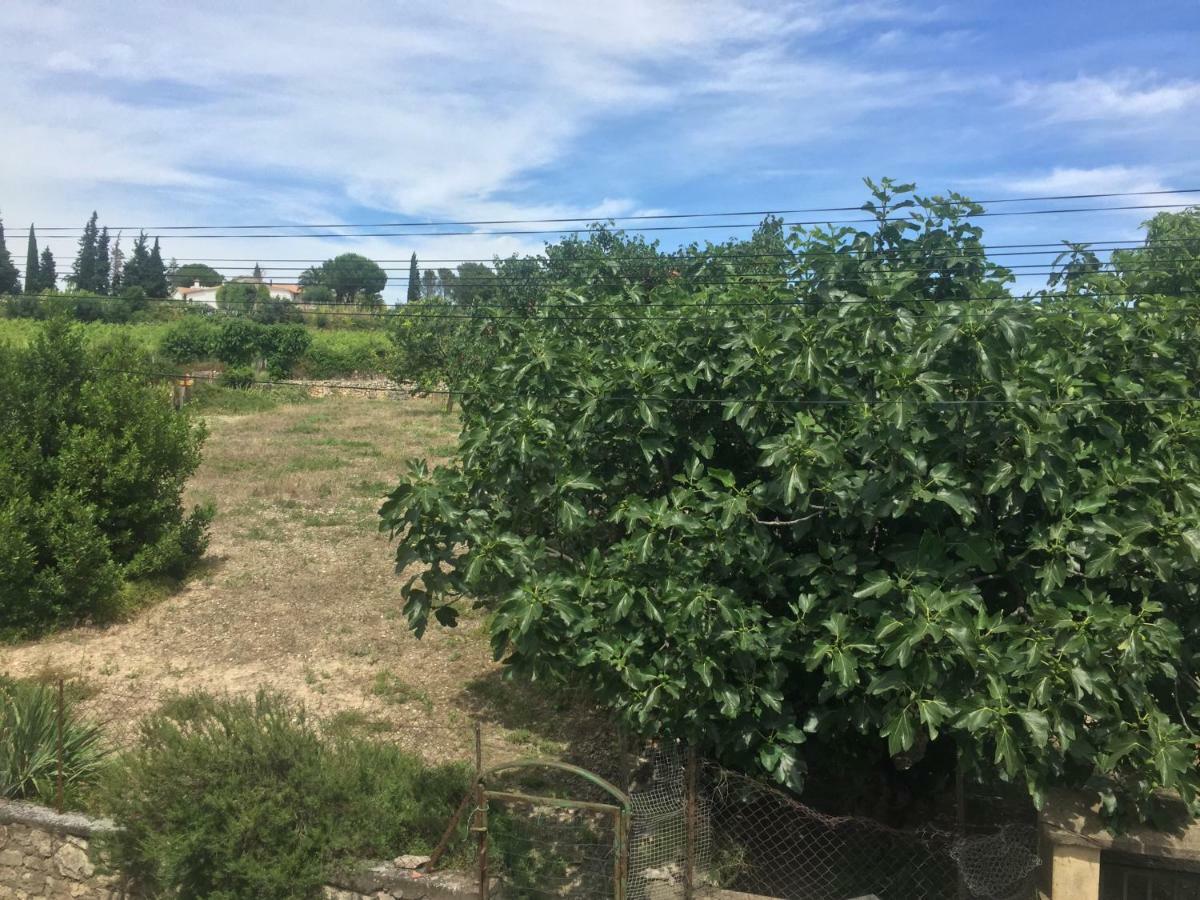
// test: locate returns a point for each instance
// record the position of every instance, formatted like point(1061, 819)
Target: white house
point(198, 293)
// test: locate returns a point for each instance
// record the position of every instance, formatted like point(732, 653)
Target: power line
point(1162, 266)
point(637, 217)
point(646, 228)
point(717, 253)
point(667, 262)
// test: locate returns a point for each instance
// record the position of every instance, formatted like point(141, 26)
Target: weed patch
point(393, 690)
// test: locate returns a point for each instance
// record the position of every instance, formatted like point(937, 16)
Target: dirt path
point(298, 593)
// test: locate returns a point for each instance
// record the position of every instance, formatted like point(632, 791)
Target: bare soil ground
point(298, 593)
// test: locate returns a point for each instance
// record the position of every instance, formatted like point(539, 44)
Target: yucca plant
point(29, 743)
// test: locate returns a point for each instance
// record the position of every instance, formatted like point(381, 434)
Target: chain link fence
point(693, 829)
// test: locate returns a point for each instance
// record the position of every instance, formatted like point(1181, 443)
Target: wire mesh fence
point(695, 829)
point(657, 824)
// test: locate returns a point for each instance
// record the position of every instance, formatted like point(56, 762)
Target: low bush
point(29, 745)
point(240, 377)
point(284, 345)
point(339, 354)
point(238, 341)
point(92, 469)
point(190, 339)
point(244, 798)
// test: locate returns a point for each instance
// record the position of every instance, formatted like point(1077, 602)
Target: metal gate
point(550, 829)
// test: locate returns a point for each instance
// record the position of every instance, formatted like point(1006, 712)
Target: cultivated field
point(298, 593)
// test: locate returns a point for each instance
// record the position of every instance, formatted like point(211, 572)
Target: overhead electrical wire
point(641, 228)
point(715, 252)
point(596, 217)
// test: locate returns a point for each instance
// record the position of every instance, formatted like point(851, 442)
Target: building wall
point(207, 296)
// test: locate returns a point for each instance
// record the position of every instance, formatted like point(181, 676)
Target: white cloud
point(1118, 97)
point(1095, 180)
point(434, 111)
point(299, 111)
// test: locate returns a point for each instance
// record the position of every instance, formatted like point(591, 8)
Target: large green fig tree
point(868, 503)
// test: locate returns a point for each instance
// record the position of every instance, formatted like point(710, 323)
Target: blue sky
point(221, 112)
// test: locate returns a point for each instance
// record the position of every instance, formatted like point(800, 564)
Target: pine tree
point(257, 273)
point(155, 283)
point(429, 284)
point(103, 263)
point(136, 268)
point(414, 280)
point(47, 273)
point(83, 276)
point(10, 280)
point(32, 276)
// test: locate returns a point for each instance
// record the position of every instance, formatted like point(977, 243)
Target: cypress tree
point(257, 273)
point(118, 267)
point(83, 276)
point(32, 276)
point(414, 280)
point(10, 280)
point(155, 283)
point(103, 264)
point(47, 273)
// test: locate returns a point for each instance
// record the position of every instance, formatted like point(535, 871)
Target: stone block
point(32, 882)
point(72, 862)
point(40, 843)
point(410, 861)
point(12, 858)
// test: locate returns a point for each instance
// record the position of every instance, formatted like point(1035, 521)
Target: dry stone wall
point(44, 854)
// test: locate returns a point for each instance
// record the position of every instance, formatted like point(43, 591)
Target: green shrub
point(339, 354)
point(284, 345)
point(29, 745)
point(190, 339)
point(238, 341)
point(237, 798)
point(24, 306)
point(92, 469)
point(240, 377)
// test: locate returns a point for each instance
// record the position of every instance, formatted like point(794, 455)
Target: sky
point(219, 113)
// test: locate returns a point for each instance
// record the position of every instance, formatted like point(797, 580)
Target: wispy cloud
point(227, 111)
point(1099, 179)
point(1138, 97)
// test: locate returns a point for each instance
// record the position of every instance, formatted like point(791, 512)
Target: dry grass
point(298, 593)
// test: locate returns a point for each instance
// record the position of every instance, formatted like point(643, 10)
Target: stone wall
point(46, 854)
